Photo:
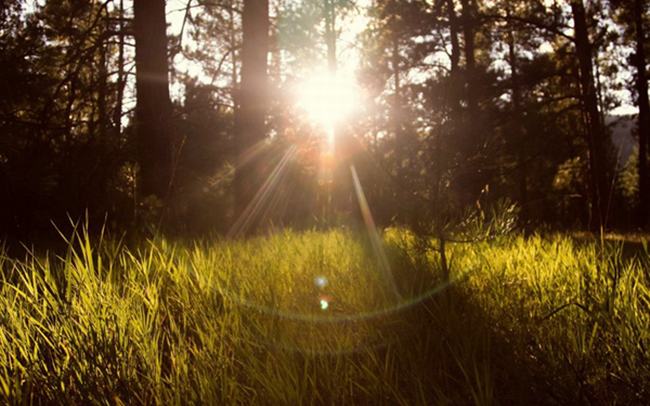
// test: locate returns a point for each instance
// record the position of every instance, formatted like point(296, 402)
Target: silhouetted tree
point(250, 121)
point(633, 16)
point(596, 136)
point(153, 111)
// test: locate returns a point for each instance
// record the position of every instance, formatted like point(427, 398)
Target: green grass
point(536, 320)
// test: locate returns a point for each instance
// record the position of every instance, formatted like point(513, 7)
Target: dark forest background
point(470, 103)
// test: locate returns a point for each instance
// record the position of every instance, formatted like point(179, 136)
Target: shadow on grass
point(489, 360)
point(436, 346)
point(632, 246)
point(439, 345)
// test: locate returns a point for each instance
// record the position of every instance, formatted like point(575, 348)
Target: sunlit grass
point(542, 319)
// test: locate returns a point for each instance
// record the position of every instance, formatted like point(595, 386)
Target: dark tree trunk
point(470, 181)
point(442, 138)
point(395, 65)
point(153, 110)
point(233, 51)
point(121, 82)
point(97, 179)
point(253, 97)
point(595, 132)
point(330, 34)
point(453, 94)
point(470, 53)
point(102, 92)
point(518, 123)
point(641, 85)
point(453, 34)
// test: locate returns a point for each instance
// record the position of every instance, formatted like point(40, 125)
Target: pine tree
point(250, 121)
point(154, 110)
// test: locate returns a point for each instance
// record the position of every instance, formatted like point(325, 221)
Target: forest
point(324, 202)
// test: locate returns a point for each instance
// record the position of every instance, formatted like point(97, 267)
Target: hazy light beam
point(253, 208)
point(375, 240)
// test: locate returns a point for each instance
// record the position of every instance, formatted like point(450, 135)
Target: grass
point(537, 320)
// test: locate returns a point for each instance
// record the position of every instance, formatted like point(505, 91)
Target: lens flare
point(321, 282)
point(328, 98)
point(324, 304)
point(324, 301)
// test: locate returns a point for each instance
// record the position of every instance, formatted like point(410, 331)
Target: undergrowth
point(307, 318)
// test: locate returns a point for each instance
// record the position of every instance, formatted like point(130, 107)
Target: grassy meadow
point(311, 318)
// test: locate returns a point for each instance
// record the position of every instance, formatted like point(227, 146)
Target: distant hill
point(623, 128)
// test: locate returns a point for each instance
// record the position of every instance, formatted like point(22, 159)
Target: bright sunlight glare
point(328, 99)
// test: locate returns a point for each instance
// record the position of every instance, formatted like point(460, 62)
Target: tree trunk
point(449, 131)
point(102, 92)
point(233, 52)
point(153, 109)
point(470, 180)
point(250, 121)
point(397, 101)
point(330, 34)
point(453, 34)
point(518, 121)
point(454, 61)
point(121, 82)
point(641, 85)
point(595, 132)
point(470, 52)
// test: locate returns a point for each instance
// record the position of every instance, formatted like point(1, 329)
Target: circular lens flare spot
point(324, 304)
point(324, 301)
point(321, 282)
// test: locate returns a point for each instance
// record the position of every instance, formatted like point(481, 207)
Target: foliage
point(302, 28)
point(629, 179)
point(460, 95)
point(61, 148)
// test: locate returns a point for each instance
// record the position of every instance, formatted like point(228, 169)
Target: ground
point(313, 318)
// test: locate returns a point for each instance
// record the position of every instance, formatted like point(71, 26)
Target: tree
point(309, 30)
point(59, 154)
point(596, 136)
point(154, 109)
point(633, 15)
point(250, 121)
point(216, 46)
point(641, 82)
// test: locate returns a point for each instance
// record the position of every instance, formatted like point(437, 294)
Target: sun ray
point(251, 152)
point(375, 239)
point(255, 205)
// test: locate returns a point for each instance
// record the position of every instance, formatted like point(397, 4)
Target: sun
point(328, 99)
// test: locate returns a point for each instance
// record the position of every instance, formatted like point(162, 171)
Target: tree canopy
point(194, 114)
